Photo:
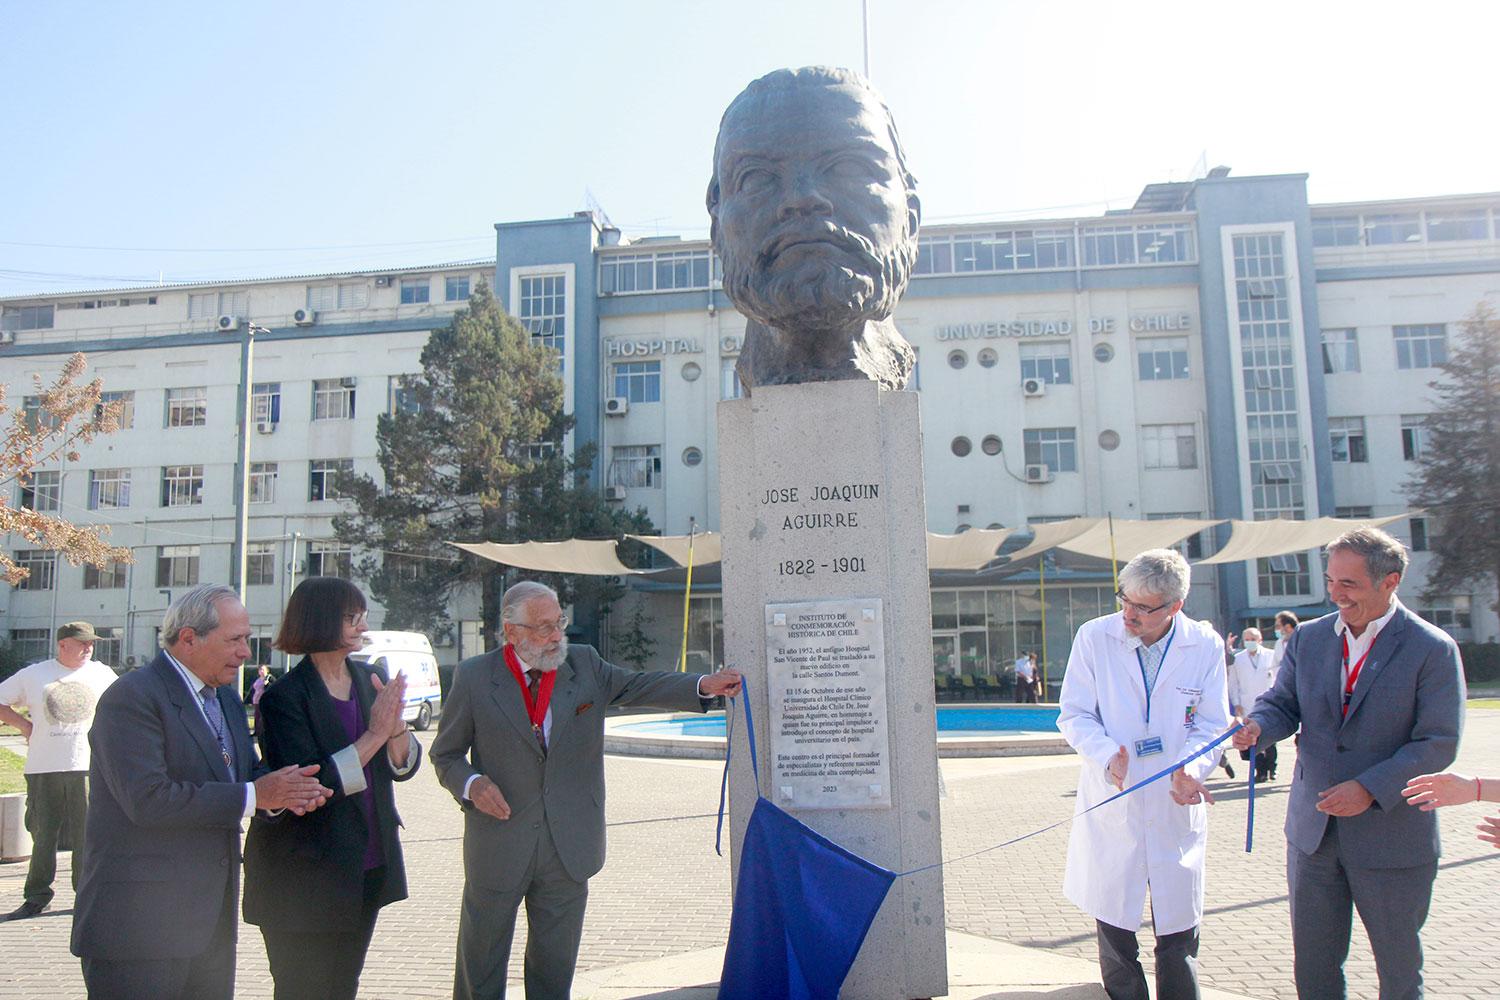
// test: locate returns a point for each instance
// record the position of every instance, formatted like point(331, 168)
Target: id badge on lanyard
point(1151, 745)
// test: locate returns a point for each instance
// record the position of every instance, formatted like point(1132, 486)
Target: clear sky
point(202, 141)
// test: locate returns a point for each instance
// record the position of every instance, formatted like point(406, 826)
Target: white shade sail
point(1051, 534)
point(707, 547)
point(1131, 538)
point(588, 558)
point(966, 550)
point(1263, 539)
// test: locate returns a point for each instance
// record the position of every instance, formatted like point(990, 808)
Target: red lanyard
point(1352, 676)
point(536, 712)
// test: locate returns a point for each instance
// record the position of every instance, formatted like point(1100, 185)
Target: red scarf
point(536, 712)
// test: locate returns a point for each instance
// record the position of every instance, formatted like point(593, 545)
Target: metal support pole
point(242, 468)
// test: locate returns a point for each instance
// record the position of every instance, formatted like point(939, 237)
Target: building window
point(109, 647)
point(402, 567)
point(1335, 231)
point(544, 309)
point(1193, 546)
point(1283, 576)
point(111, 577)
point(1347, 435)
point(705, 633)
point(333, 399)
point(636, 466)
point(31, 644)
point(729, 379)
point(126, 399)
point(260, 564)
point(961, 446)
point(668, 270)
point(456, 289)
point(415, 291)
point(1054, 447)
point(43, 493)
point(350, 295)
point(324, 475)
point(322, 298)
point(638, 381)
point(1422, 346)
point(203, 305)
point(18, 318)
point(1356, 512)
point(1340, 351)
point(262, 482)
point(330, 558)
point(177, 565)
point(1420, 541)
point(182, 485)
point(1415, 438)
point(265, 402)
point(1050, 361)
point(109, 489)
point(1449, 613)
point(43, 567)
point(1459, 224)
point(37, 417)
point(187, 407)
point(1169, 446)
point(1397, 227)
point(400, 398)
point(1162, 358)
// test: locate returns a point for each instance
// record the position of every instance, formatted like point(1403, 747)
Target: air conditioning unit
point(616, 406)
point(615, 493)
point(7, 336)
point(348, 382)
point(1039, 473)
point(1033, 387)
point(304, 317)
point(265, 427)
point(383, 281)
point(228, 323)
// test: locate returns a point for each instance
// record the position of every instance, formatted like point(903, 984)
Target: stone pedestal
point(827, 612)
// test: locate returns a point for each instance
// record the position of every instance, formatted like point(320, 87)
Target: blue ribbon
point(755, 769)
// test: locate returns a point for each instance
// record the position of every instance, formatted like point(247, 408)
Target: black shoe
point(30, 908)
point(1229, 770)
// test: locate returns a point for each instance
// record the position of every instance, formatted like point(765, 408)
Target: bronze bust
point(815, 214)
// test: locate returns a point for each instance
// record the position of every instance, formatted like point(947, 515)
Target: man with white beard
point(521, 747)
point(815, 216)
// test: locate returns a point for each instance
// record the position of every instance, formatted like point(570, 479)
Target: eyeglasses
point(546, 628)
point(1139, 609)
point(357, 618)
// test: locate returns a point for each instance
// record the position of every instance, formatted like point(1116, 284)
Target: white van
point(408, 653)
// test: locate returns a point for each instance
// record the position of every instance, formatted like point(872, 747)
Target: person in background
point(315, 883)
point(1025, 679)
point(61, 694)
point(262, 678)
point(1251, 675)
point(1286, 624)
point(1037, 680)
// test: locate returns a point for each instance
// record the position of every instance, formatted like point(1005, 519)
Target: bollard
point(15, 839)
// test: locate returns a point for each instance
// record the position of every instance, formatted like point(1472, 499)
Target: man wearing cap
point(60, 694)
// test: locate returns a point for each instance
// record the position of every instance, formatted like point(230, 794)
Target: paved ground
point(665, 893)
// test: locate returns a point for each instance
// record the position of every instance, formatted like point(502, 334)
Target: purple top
point(354, 727)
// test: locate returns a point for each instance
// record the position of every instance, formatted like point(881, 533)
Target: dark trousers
point(1325, 888)
point(1265, 760)
point(1176, 964)
point(206, 976)
point(1025, 690)
point(554, 930)
point(324, 965)
point(56, 806)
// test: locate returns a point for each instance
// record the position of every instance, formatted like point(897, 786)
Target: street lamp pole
point(242, 469)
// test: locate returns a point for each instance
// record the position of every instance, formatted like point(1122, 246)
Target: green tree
point(474, 452)
point(47, 428)
point(1458, 478)
point(631, 644)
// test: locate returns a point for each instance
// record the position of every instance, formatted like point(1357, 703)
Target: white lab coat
point(1251, 676)
point(1145, 839)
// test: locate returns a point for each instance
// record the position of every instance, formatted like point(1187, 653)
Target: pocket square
point(583, 708)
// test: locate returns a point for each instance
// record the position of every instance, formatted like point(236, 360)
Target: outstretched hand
point(1432, 791)
point(725, 682)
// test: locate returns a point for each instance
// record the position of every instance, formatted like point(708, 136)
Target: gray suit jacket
point(162, 848)
point(485, 731)
point(1404, 720)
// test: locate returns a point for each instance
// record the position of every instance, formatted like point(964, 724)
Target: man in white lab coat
point(1251, 675)
point(1144, 687)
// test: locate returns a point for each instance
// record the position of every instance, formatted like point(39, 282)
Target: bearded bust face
point(813, 212)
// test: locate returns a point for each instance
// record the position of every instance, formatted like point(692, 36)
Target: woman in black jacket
point(315, 883)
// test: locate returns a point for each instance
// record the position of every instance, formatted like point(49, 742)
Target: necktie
point(215, 713)
point(1151, 657)
point(535, 690)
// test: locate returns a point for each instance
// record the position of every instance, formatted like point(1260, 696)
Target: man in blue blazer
point(172, 774)
point(1379, 694)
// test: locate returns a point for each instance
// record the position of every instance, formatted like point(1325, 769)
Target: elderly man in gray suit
point(1379, 694)
point(521, 747)
point(172, 775)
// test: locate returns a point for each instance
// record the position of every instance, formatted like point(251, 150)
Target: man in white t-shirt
point(61, 694)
